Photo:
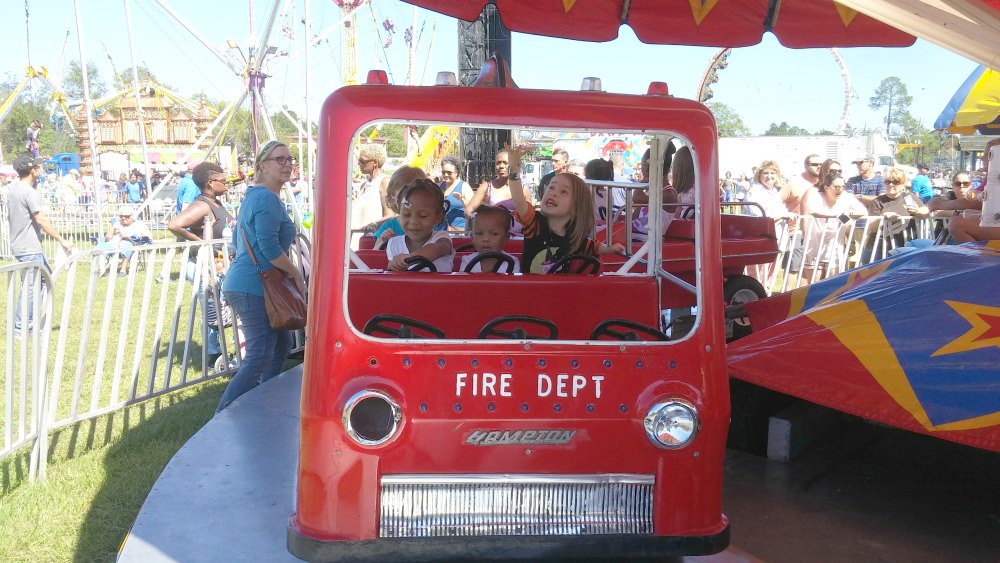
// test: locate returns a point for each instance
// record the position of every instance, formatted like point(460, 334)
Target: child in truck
point(490, 232)
point(421, 208)
point(388, 228)
point(563, 224)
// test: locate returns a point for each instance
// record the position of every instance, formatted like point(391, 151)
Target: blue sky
point(763, 84)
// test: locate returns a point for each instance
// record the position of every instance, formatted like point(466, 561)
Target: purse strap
point(249, 249)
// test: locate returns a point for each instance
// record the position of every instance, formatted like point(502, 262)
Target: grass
point(100, 474)
point(101, 469)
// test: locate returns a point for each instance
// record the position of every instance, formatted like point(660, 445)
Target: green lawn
point(101, 469)
point(99, 475)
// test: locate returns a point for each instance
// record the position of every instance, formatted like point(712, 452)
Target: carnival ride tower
point(350, 43)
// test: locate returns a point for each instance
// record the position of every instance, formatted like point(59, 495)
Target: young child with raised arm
point(563, 224)
point(421, 207)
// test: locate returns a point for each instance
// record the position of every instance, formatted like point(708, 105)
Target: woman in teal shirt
point(270, 232)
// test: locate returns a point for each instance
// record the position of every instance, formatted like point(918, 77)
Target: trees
point(784, 130)
point(31, 104)
point(73, 81)
point(891, 94)
point(729, 122)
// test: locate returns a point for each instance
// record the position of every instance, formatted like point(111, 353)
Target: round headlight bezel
point(662, 409)
point(395, 417)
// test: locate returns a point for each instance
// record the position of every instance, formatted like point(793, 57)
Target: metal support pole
point(94, 165)
point(201, 38)
point(138, 97)
point(309, 138)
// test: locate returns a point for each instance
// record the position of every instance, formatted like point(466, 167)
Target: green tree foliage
point(32, 103)
point(930, 145)
point(395, 135)
point(891, 95)
point(72, 85)
point(729, 122)
point(783, 129)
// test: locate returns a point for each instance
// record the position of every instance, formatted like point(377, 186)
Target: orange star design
point(701, 8)
point(985, 331)
point(847, 15)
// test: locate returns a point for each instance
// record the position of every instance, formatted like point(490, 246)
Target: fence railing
point(112, 328)
point(814, 248)
point(26, 332)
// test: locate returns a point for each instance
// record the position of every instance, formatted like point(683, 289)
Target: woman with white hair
point(368, 205)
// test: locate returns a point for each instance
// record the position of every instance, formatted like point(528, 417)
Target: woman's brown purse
point(285, 306)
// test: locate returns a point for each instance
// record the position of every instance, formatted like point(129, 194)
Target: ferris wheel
point(721, 61)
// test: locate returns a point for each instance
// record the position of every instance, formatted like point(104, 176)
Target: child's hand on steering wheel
point(398, 262)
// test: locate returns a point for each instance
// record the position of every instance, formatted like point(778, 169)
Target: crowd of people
point(411, 216)
point(820, 211)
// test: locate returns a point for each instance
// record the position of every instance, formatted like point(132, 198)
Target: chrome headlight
point(671, 424)
point(371, 418)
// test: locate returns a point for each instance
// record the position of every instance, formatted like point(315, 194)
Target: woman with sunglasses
point(963, 206)
point(830, 210)
point(457, 194)
point(264, 223)
point(210, 179)
point(896, 202)
point(829, 165)
point(368, 207)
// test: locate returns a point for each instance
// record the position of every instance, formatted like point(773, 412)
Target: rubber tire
point(738, 289)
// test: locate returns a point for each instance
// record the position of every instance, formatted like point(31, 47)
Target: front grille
point(505, 505)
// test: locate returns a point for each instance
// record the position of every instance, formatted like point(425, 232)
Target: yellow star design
point(985, 331)
point(846, 14)
point(701, 8)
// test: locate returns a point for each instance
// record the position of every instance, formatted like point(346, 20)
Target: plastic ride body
point(458, 397)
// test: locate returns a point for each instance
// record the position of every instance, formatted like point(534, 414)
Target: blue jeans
point(266, 348)
point(28, 288)
point(122, 248)
point(212, 339)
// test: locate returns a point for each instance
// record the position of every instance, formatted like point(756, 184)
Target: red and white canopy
point(970, 28)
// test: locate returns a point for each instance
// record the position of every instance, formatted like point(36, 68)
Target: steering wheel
point(632, 330)
point(562, 265)
point(379, 325)
point(418, 262)
point(518, 333)
point(464, 247)
point(501, 259)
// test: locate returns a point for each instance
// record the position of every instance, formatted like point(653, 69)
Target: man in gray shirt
point(27, 222)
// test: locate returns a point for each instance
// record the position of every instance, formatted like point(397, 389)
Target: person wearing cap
point(921, 184)
point(126, 232)
point(866, 186)
point(27, 222)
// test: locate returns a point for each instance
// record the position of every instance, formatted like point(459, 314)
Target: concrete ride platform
point(862, 493)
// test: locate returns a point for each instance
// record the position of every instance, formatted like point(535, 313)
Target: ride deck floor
point(862, 493)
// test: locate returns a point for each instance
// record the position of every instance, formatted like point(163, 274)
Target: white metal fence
point(815, 248)
point(102, 341)
point(24, 362)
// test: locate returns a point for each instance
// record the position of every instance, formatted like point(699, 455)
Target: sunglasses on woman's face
point(892, 182)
